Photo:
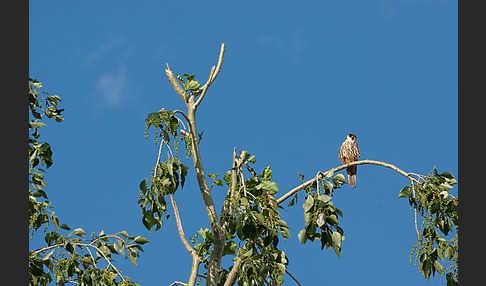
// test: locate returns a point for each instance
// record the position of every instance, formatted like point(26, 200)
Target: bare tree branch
point(212, 75)
point(177, 87)
point(233, 274)
point(179, 227)
point(183, 114)
point(205, 88)
point(177, 283)
point(220, 62)
point(291, 276)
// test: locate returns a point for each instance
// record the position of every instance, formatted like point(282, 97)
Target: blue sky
point(297, 77)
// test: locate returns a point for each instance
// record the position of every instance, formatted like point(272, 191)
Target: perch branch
point(177, 283)
point(362, 162)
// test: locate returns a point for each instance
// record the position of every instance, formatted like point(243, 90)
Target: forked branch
point(212, 75)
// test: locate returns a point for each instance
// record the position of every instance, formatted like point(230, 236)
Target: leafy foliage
point(438, 208)
point(68, 258)
point(254, 222)
point(320, 214)
point(189, 83)
point(167, 175)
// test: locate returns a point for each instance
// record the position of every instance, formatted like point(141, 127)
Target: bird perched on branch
point(349, 152)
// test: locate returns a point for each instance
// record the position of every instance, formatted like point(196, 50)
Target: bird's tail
point(352, 176)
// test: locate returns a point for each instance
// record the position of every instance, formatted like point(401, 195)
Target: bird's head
point(351, 137)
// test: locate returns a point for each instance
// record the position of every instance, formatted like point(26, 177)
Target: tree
point(69, 256)
point(249, 225)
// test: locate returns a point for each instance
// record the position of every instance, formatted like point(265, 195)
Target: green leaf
point(438, 266)
point(79, 232)
point(34, 124)
point(40, 193)
point(246, 253)
point(292, 202)
point(133, 259)
point(324, 198)
point(329, 187)
point(271, 187)
point(340, 177)
point(143, 186)
point(321, 220)
point(69, 247)
point(336, 238)
point(309, 202)
point(302, 237)
point(141, 240)
point(229, 248)
point(48, 255)
point(124, 233)
point(405, 192)
point(282, 223)
point(307, 217)
point(65, 226)
point(332, 219)
point(193, 85)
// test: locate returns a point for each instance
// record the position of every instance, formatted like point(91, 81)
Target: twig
point(90, 254)
point(415, 211)
point(177, 283)
point(108, 261)
point(318, 176)
point(158, 159)
point(170, 150)
point(291, 276)
point(180, 230)
point(183, 114)
point(243, 183)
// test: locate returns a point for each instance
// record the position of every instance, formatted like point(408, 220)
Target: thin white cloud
point(291, 45)
point(97, 54)
point(110, 87)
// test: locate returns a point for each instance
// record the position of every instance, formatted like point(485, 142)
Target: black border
point(471, 80)
point(14, 117)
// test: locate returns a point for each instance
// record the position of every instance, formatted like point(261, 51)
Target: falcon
point(349, 152)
